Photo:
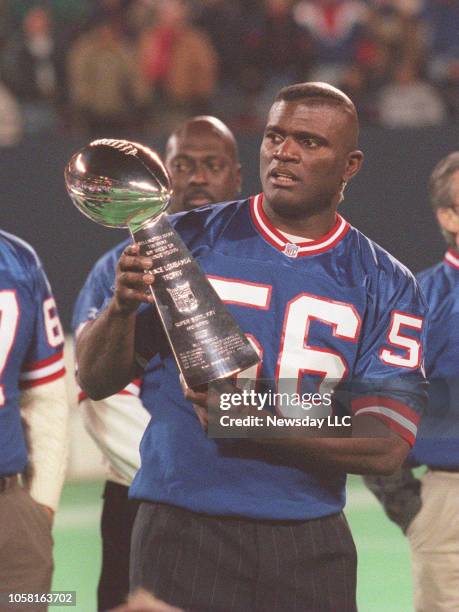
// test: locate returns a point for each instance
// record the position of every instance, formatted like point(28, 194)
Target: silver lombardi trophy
point(118, 183)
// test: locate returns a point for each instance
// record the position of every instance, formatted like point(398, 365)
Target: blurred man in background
point(427, 509)
point(203, 162)
point(108, 93)
point(31, 67)
point(33, 452)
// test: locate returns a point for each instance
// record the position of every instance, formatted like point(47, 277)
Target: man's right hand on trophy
point(133, 280)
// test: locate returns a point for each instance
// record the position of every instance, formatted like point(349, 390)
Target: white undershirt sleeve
point(117, 424)
point(45, 413)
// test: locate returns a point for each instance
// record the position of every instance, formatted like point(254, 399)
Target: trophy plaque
point(118, 183)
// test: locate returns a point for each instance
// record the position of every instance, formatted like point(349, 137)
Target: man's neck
point(312, 226)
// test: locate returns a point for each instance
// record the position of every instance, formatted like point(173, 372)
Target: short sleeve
point(44, 360)
point(96, 292)
point(389, 381)
point(95, 296)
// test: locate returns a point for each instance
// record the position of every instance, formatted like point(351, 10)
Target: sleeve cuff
point(41, 372)
point(399, 417)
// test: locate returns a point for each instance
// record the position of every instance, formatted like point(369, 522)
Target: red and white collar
point(452, 258)
point(300, 249)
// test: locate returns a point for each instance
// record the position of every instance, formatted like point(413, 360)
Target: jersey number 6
point(296, 357)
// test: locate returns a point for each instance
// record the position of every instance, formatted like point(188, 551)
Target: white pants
point(434, 542)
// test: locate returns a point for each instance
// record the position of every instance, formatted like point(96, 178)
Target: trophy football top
point(118, 183)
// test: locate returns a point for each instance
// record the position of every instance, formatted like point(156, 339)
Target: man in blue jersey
point(203, 162)
point(427, 510)
point(256, 524)
point(33, 421)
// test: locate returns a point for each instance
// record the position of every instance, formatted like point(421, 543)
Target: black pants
point(118, 516)
point(204, 563)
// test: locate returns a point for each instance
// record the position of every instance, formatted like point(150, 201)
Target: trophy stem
point(206, 341)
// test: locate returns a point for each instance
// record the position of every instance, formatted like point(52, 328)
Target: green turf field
point(384, 571)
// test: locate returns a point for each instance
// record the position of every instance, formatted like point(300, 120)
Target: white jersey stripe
point(325, 243)
point(234, 291)
point(133, 389)
point(266, 229)
point(452, 258)
point(43, 372)
point(391, 414)
point(317, 245)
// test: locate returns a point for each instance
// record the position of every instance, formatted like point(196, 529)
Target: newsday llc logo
point(279, 421)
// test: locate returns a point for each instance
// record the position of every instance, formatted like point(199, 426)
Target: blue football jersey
point(438, 439)
point(31, 342)
point(335, 309)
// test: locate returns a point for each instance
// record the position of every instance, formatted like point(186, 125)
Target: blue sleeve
point(438, 438)
point(44, 358)
point(389, 381)
point(96, 292)
point(95, 296)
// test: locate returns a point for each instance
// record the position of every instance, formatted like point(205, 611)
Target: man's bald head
point(203, 160)
point(317, 94)
point(202, 126)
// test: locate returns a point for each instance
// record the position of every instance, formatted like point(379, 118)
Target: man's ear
point(353, 165)
point(448, 219)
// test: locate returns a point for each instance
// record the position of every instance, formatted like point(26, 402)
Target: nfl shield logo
point(184, 298)
point(291, 250)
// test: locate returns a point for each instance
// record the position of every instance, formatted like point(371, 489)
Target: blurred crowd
point(113, 66)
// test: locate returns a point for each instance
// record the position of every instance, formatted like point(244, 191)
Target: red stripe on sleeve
point(386, 402)
point(27, 384)
point(36, 365)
